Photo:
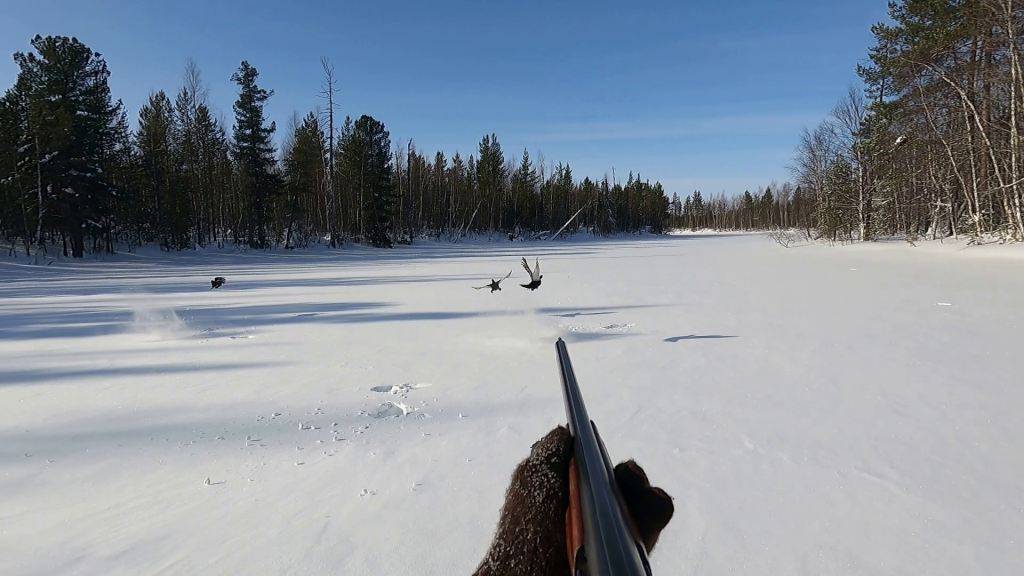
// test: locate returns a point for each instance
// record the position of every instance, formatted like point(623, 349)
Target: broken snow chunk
point(391, 410)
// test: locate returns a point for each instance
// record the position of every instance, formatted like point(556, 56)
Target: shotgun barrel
point(608, 545)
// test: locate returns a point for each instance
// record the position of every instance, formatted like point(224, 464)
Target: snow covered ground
point(813, 410)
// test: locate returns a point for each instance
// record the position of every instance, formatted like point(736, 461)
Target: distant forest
point(931, 148)
point(74, 178)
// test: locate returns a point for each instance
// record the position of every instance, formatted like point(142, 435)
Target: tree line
point(76, 178)
point(776, 207)
point(931, 147)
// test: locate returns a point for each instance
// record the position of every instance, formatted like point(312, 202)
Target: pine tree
point(366, 171)
point(765, 217)
point(163, 196)
point(490, 176)
point(254, 155)
point(304, 162)
point(211, 173)
point(70, 115)
point(18, 208)
point(524, 191)
point(121, 169)
point(748, 210)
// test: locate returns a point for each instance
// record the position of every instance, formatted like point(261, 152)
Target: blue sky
point(697, 95)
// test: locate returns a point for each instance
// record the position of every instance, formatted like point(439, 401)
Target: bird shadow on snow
point(698, 337)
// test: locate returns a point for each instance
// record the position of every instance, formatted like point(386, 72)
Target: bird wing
point(526, 265)
point(536, 271)
point(481, 287)
point(506, 276)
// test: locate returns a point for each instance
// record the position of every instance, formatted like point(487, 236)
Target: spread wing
point(493, 282)
point(534, 274)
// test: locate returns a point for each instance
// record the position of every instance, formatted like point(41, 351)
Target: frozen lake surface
point(812, 410)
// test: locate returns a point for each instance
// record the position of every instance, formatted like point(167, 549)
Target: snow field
point(842, 410)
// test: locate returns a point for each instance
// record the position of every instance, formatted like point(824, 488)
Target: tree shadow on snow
point(30, 376)
point(698, 337)
point(218, 320)
point(190, 281)
point(574, 311)
point(152, 272)
point(581, 337)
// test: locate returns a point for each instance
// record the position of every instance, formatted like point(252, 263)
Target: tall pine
point(70, 117)
point(161, 188)
point(254, 155)
point(366, 172)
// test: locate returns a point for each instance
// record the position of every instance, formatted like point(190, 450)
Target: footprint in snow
point(626, 326)
point(400, 389)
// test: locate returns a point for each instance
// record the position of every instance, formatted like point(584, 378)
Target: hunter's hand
point(530, 538)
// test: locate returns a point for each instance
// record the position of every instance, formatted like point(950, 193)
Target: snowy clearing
point(813, 410)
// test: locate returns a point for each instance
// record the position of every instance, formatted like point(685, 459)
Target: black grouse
point(495, 285)
point(535, 275)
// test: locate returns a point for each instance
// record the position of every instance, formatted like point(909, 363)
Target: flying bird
point(495, 285)
point(535, 275)
point(217, 282)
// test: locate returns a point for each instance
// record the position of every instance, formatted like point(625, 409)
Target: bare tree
point(327, 92)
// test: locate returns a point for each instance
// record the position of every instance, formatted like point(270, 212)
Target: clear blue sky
point(697, 94)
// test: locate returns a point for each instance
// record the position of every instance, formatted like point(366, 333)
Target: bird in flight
point(495, 285)
point(535, 275)
point(217, 282)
